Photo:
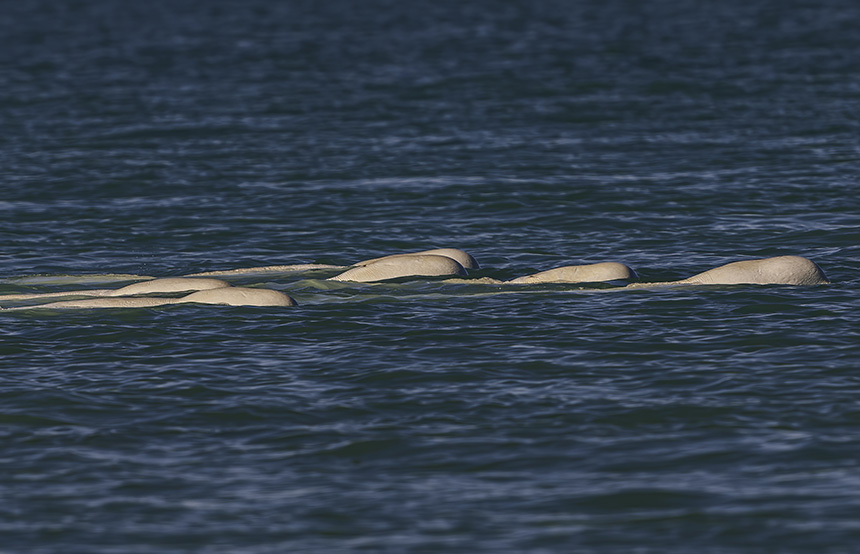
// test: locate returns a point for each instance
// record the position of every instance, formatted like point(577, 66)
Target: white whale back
point(170, 284)
point(122, 302)
point(231, 296)
point(591, 273)
point(240, 296)
point(463, 258)
point(402, 265)
point(781, 270)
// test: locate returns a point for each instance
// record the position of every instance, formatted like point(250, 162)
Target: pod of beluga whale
point(443, 262)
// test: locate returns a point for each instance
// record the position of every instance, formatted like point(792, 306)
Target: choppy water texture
point(167, 138)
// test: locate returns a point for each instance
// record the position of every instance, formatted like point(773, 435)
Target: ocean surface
point(165, 138)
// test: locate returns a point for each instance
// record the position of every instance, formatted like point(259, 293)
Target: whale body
point(402, 265)
point(231, 296)
point(240, 296)
point(169, 284)
point(780, 270)
point(121, 302)
point(591, 273)
point(294, 268)
point(463, 258)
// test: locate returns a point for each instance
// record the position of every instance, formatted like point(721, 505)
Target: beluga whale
point(780, 270)
point(463, 258)
point(230, 296)
point(401, 265)
point(154, 286)
point(591, 273)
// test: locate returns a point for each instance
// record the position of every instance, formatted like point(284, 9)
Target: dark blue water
point(165, 138)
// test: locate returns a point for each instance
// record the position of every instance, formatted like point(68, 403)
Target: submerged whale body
point(293, 268)
point(169, 284)
point(591, 273)
point(781, 270)
point(463, 258)
point(402, 265)
point(120, 302)
point(231, 296)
